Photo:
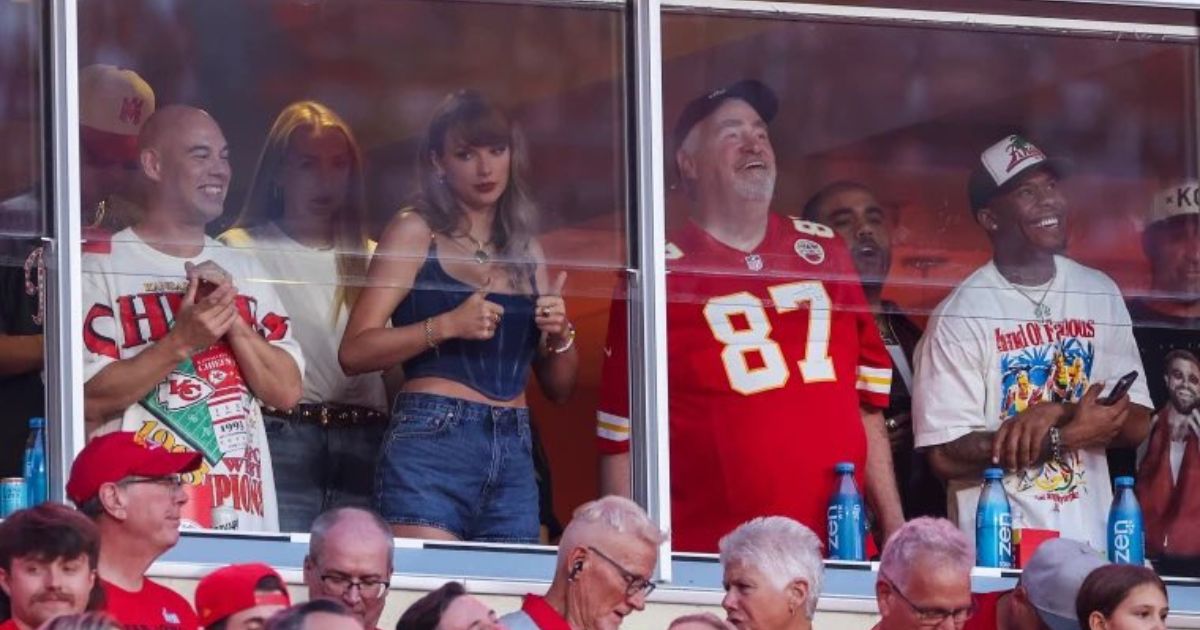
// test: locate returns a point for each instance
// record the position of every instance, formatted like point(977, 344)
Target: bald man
point(183, 343)
point(350, 560)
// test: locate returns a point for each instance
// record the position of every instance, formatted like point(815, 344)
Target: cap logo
point(715, 93)
point(1020, 151)
point(1183, 197)
point(131, 110)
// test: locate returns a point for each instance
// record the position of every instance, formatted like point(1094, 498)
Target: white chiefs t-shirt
point(307, 283)
point(130, 294)
point(985, 358)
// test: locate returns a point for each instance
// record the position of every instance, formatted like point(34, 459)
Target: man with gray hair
point(765, 316)
point(925, 576)
point(773, 574)
point(606, 558)
point(350, 560)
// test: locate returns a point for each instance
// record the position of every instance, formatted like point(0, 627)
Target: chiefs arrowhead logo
point(181, 390)
point(216, 377)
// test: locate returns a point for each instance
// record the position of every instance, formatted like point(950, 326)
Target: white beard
point(754, 187)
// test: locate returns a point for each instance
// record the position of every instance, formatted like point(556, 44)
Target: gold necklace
point(481, 255)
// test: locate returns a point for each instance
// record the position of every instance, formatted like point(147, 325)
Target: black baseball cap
point(754, 92)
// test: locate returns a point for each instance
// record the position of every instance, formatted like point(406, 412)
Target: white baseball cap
point(1175, 201)
point(114, 100)
point(1001, 163)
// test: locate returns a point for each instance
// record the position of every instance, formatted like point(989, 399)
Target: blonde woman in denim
point(305, 219)
point(463, 284)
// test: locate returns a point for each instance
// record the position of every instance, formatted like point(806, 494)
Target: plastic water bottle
point(35, 463)
point(993, 523)
point(1126, 532)
point(846, 518)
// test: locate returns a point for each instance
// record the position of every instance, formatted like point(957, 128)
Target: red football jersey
point(770, 355)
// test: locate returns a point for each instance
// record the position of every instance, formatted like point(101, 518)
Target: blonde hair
point(263, 204)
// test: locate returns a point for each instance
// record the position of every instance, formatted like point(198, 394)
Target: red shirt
point(543, 614)
point(155, 607)
point(11, 624)
point(771, 354)
point(987, 606)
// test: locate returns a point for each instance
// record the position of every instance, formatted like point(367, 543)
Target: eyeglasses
point(932, 617)
point(634, 583)
point(338, 585)
point(174, 483)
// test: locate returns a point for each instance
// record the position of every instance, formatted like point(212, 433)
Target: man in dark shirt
point(113, 104)
point(22, 304)
point(852, 210)
point(1167, 329)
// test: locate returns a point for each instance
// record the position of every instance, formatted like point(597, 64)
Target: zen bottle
point(35, 463)
point(993, 523)
point(1126, 532)
point(846, 517)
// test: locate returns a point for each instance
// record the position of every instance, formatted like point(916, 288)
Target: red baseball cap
point(115, 456)
point(230, 590)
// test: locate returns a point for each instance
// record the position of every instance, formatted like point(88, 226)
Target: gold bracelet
point(433, 345)
point(566, 346)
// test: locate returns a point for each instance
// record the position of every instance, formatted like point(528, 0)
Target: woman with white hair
point(773, 574)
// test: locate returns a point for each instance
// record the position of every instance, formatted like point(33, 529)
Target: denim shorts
point(461, 466)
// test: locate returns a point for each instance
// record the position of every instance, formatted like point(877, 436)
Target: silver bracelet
point(1056, 444)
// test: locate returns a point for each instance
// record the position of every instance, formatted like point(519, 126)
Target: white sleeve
point(271, 319)
point(949, 392)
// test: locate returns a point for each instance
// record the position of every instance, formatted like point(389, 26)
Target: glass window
point(22, 226)
point(792, 350)
point(435, 184)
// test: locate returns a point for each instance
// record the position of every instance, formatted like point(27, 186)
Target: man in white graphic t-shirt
point(183, 341)
point(1012, 368)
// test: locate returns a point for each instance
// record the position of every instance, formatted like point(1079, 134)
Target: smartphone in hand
point(1120, 389)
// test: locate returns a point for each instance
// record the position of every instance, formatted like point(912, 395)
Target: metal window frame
point(934, 18)
point(651, 478)
point(64, 319)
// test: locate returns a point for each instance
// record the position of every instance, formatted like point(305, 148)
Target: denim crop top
point(498, 367)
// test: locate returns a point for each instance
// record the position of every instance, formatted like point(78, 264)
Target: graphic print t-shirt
point(771, 354)
point(985, 359)
point(155, 607)
point(131, 292)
